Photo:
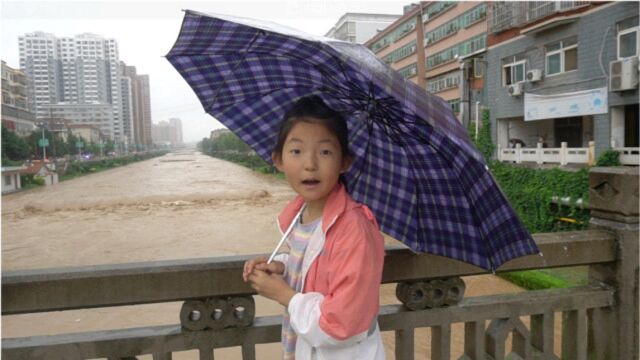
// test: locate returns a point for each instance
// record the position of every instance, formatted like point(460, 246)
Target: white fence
point(564, 155)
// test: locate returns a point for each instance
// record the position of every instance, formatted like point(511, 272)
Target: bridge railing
point(599, 320)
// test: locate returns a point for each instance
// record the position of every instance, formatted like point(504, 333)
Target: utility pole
point(44, 146)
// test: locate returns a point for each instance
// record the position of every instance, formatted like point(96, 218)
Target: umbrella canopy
point(414, 164)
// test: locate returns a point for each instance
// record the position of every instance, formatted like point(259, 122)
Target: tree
point(14, 147)
point(229, 142)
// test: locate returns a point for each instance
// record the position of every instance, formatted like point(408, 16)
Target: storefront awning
point(579, 103)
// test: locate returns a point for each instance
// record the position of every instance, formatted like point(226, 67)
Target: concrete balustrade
point(563, 155)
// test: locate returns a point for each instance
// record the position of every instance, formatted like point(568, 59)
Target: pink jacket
point(335, 315)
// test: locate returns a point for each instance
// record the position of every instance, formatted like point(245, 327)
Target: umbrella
point(414, 164)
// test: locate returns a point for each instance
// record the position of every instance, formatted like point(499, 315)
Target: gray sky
point(146, 30)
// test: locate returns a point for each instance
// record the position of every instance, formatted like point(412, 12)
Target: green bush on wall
point(483, 141)
point(529, 192)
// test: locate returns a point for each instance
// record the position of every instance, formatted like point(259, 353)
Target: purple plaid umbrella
point(414, 165)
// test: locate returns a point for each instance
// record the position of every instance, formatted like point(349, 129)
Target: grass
point(549, 278)
point(534, 280)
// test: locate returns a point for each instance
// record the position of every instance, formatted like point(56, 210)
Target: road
point(182, 205)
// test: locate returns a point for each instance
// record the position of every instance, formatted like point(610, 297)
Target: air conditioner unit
point(534, 75)
point(515, 89)
point(427, 41)
point(623, 74)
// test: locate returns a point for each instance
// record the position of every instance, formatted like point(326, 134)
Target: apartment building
point(40, 60)
point(566, 72)
point(168, 132)
point(94, 114)
point(398, 45)
point(83, 69)
point(138, 121)
point(16, 113)
point(177, 124)
point(455, 43)
point(358, 27)
point(439, 45)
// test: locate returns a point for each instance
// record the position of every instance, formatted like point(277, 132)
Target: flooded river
point(182, 205)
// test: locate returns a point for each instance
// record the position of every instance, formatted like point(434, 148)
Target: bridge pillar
point(613, 198)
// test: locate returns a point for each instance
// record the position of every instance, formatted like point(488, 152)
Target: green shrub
point(609, 158)
point(529, 192)
point(38, 181)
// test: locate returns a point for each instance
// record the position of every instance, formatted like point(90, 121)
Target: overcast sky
point(146, 30)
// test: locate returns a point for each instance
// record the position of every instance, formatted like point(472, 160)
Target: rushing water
point(182, 205)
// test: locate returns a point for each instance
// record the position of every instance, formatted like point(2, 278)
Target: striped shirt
point(298, 241)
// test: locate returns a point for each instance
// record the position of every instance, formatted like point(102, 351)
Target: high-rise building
point(177, 124)
point(168, 133)
point(139, 126)
point(126, 92)
point(74, 70)
point(16, 114)
point(40, 60)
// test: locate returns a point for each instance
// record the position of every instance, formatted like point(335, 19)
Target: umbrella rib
point(244, 58)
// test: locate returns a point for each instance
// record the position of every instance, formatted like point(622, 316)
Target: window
point(409, 71)
point(7, 180)
point(513, 70)
point(437, 8)
point(628, 42)
point(443, 82)
point(400, 53)
point(562, 56)
point(455, 105)
point(461, 49)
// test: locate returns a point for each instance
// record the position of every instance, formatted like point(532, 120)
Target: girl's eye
point(294, 151)
point(325, 152)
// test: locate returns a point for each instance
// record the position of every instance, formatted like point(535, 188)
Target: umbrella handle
point(286, 234)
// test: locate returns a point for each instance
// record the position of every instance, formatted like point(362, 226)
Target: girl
point(329, 281)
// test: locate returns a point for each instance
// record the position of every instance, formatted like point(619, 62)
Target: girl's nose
point(310, 163)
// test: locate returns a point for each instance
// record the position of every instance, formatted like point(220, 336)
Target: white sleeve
point(283, 258)
point(304, 311)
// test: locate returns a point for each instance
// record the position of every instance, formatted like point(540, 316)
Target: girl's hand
point(260, 263)
point(271, 286)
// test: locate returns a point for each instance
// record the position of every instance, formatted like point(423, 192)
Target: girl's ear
point(346, 164)
point(277, 160)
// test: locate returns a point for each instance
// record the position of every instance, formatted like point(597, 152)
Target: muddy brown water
point(182, 205)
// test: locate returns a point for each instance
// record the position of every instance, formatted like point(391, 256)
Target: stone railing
point(599, 320)
point(628, 155)
point(563, 155)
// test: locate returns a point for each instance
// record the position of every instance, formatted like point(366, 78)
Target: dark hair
point(313, 107)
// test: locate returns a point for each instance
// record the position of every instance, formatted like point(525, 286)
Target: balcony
point(504, 15)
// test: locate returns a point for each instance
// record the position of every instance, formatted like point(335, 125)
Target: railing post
point(591, 153)
point(613, 194)
point(539, 154)
point(518, 153)
point(563, 153)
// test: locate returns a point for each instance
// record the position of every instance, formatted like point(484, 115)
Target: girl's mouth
point(310, 182)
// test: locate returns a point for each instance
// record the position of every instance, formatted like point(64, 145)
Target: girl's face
point(312, 161)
